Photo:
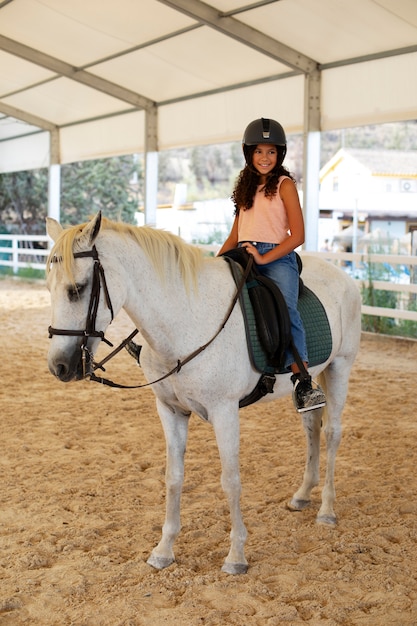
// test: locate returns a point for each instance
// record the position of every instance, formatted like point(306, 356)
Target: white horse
point(178, 299)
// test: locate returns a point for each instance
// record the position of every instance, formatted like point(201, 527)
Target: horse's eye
point(75, 292)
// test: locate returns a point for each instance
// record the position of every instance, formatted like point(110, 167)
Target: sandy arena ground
point(82, 499)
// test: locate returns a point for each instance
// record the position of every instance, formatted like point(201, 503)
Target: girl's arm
point(232, 240)
point(289, 196)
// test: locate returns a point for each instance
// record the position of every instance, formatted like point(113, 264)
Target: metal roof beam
point(247, 35)
point(69, 71)
point(369, 57)
point(29, 118)
point(242, 85)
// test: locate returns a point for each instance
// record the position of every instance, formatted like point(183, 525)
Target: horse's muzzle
point(67, 369)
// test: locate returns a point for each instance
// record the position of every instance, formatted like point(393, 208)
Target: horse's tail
point(321, 380)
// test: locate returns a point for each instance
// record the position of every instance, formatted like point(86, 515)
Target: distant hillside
point(395, 136)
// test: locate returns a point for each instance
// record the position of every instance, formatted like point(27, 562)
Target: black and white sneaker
point(305, 396)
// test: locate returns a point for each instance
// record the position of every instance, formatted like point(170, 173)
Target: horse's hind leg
point(312, 427)
point(336, 379)
point(335, 382)
point(176, 430)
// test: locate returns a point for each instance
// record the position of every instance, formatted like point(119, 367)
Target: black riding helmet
point(264, 130)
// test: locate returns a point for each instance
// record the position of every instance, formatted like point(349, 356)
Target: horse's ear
point(91, 230)
point(53, 228)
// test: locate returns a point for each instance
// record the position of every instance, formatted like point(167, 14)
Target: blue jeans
point(284, 273)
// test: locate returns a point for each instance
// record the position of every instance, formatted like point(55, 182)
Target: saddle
point(265, 312)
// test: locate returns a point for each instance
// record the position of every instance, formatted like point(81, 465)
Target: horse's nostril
point(60, 371)
point(63, 372)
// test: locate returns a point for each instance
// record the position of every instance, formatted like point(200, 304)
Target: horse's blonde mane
point(62, 251)
point(167, 252)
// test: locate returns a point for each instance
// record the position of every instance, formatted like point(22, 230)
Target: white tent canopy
point(120, 77)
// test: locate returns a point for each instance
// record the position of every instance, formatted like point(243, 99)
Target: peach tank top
point(266, 221)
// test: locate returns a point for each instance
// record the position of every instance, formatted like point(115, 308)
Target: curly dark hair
point(248, 181)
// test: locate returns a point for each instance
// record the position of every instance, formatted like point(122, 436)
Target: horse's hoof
point(235, 568)
point(159, 562)
point(298, 505)
point(327, 520)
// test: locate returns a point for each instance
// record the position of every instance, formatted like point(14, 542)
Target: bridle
point(99, 279)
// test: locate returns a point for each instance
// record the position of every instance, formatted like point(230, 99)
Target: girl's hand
point(250, 249)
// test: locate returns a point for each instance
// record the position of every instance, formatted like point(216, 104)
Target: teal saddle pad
point(317, 327)
point(316, 324)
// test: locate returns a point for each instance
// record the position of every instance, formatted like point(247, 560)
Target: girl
point(269, 224)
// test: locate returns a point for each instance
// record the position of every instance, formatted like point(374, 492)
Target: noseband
point(90, 325)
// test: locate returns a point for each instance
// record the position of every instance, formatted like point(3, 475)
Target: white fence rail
point(23, 251)
point(400, 281)
point(29, 251)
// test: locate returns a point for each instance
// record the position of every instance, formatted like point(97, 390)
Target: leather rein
point(99, 279)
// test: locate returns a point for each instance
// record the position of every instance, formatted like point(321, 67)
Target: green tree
point(113, 186)
point(24, 201)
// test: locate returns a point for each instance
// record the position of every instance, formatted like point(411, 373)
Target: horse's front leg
point(227, 435)
point(312, 428)
point(175, 427)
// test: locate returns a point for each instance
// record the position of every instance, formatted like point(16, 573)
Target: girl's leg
point(284, 272)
